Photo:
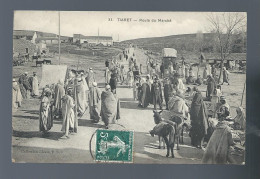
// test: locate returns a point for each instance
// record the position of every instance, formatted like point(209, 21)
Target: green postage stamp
point(114, 146)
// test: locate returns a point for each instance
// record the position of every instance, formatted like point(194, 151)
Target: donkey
point(164, 129)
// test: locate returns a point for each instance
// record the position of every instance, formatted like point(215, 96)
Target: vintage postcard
point(129, 87)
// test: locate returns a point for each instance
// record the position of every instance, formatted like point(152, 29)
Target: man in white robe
point(35, 85)
point(17, 96)
point(81, 97)
point(68, 114)
point(107, 75)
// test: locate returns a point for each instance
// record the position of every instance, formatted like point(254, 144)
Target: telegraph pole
point(59, 37)
point(98, 35)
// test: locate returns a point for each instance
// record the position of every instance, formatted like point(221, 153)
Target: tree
point(225, 25)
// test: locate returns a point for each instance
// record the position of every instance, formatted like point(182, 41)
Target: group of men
point(25, 88)
point(218, 143)
point(71, 98)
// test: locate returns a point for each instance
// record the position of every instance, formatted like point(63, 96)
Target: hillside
point(184, 43)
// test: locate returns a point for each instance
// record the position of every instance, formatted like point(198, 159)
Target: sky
point(124, 25)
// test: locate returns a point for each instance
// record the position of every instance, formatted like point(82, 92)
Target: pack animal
point(47, 61)
point(38, 62)
point(164, 129)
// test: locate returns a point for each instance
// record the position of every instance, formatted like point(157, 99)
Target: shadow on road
point(37, 134)
point(89, 123)
point(28, 117)
point(126, 99)
point(132, 105)
point(31, 111)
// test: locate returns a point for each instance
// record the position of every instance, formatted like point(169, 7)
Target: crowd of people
point(161, 87)
point(166, 84)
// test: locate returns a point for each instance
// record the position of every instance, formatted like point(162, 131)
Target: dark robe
point(24, 80)
point(113, 84)
point(225, 76)
point(107, 63)
point(95, 103)
point(156, 92)
point(213, 71)
point(59, 92)
point(167, 93)
point(210, 87)
point(145, 95)
point(199, 120)
point(109, 107)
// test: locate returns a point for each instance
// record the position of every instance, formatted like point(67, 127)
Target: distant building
point(23, 34)
point(23, 46)
point(37, 37)
point(48, 40)
point(93, 40)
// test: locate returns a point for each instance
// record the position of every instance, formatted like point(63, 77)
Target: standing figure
point(211, 85)
point(214, 71)
point(108, 106)
point(141, 69)
point(113, 83)
point(25, 85)
point(186, 71)
point(156, 92)
point(162, 70)
point(46, 121)
point(107, 63)
point(205, 73)
point(95, 103)
point(81, 97)
point(149, 81)
point(218, 148)
point(68, 115)
point(135, 89)
point(123, 75)
point(130, 78)
point(240, 119)
point(191, 73)
point(17, 96)
point(35, 85)
point(225, 76)
point(167, 92)
point(145, 94)
point(183, 70)
point(59, 92)
point(107, 75)
point(90, 78)
point(180, 86)
point(148, 68)
point(199, 119)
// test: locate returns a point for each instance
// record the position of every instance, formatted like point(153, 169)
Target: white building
point(93, 40)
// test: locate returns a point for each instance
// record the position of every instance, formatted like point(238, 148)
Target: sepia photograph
point(139, 87)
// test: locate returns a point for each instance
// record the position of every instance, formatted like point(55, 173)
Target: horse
point(164, 128)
